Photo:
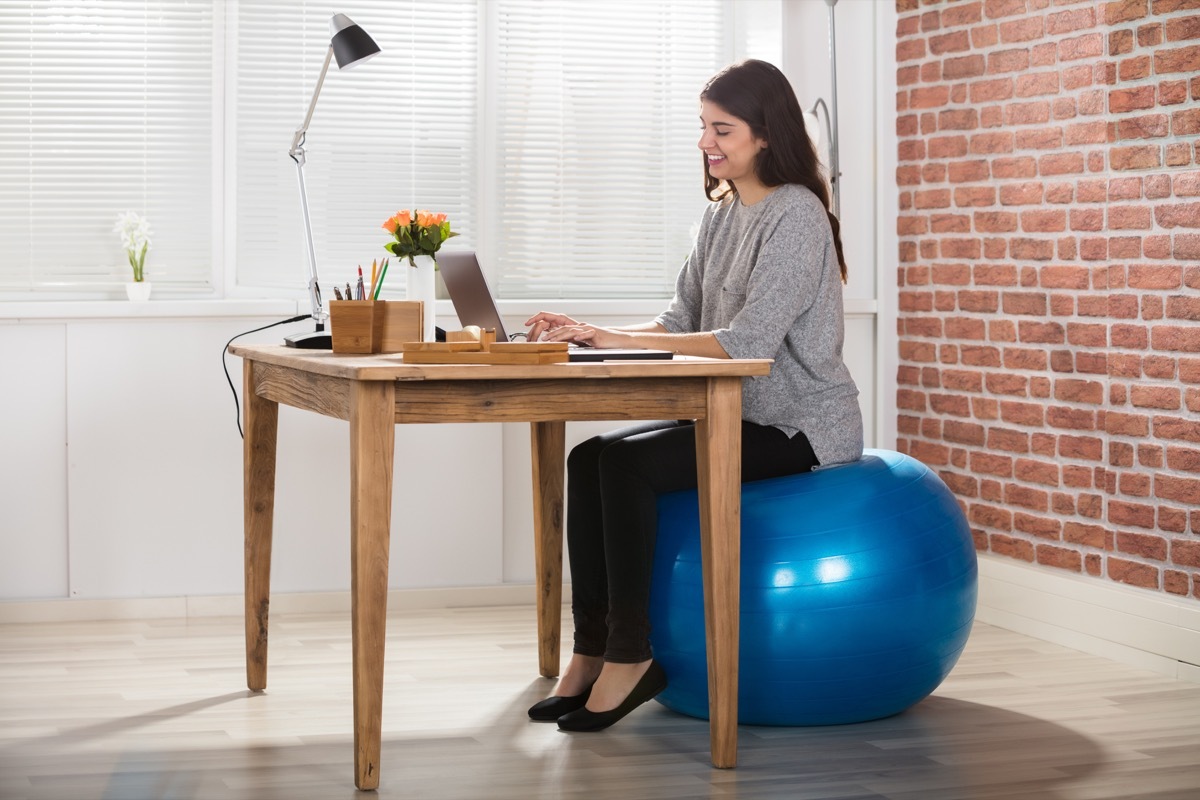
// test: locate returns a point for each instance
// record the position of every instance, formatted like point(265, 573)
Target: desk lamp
point(351, 45)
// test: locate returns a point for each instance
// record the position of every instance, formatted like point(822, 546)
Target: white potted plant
point(135, 238)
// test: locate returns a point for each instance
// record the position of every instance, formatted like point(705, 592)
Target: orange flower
point(402, 219)
point(424, 219)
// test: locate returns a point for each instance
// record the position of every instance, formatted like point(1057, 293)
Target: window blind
point(398, 131)
point(105, 107)
point(599, 178)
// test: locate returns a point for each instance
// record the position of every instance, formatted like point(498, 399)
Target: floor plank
point(158, 709)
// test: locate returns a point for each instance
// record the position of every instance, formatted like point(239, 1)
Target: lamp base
point(313, 340)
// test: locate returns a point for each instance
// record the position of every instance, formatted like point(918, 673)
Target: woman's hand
point(545, 321)
point(592, 335)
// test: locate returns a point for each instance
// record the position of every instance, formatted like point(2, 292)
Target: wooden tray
point(485, 353)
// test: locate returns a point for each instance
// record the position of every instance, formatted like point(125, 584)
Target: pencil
point(382, 275)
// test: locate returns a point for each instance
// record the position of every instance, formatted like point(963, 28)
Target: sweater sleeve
point(684, 313)
point(787, 278)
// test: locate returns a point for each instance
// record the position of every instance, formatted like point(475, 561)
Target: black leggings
point(612, 517)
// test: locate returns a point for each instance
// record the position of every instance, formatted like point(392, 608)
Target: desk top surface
point(390, 366)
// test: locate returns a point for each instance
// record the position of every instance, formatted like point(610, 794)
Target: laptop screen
point(470, 293)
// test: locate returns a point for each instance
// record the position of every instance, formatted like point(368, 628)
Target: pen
point(337, 293)
point(362, 293)
point(349, 294)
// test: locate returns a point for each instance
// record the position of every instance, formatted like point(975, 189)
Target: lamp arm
point(297, 154)
point(835, 170)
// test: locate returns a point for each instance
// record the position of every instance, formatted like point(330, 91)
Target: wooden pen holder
point(374, 326)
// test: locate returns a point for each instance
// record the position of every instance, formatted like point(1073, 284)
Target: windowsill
point(59, 310)
point(52, 310)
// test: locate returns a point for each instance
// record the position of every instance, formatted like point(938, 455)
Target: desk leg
point(261, 423)
point(549, 441)
point(372, 443)
point(718, 443)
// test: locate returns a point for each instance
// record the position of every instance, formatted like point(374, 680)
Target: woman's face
point(728, 144)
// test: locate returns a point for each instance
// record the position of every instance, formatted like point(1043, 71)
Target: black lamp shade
point(351, 44)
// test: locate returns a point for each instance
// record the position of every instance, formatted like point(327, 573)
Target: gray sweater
point(765, 280)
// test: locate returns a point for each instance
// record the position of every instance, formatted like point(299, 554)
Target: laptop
point(475, 305)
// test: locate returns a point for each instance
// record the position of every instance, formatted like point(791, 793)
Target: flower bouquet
point(420, 233)
point(135, 238)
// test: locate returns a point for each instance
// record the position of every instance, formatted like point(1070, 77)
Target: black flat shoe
point(653, 682)
point(552, 708)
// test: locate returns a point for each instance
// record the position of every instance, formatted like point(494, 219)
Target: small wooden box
point(374, 326)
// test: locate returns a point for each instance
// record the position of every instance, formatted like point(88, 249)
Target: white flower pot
point(421, 286)
point(138, 291)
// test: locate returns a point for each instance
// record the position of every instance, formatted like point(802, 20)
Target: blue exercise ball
point(858, 589)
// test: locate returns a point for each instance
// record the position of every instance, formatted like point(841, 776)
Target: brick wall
point(1049, 276)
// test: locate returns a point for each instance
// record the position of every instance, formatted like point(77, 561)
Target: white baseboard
point(1145, 629)
point(232, 606)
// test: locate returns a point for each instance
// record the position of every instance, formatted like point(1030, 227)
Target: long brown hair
point(759, 94)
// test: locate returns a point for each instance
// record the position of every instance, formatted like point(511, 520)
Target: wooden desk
point(374, 393)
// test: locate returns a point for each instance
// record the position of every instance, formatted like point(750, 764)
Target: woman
point(763, 281)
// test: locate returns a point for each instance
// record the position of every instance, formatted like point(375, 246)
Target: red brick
point(1088, 448)
point(1042, 527)
point(993, 9)
point(1039, 83)
point(1178, 155)
point(1175, 582)
point(1044, 221)
point(954, 69)
point(1060, 557)
point(1072, 20)
point(1010, 547)
point(953, 42)
point(1181, 28)
point(1134, 69)
point(988, 143)
point(1181, 490)
point(1138, 515)
point(1128, 218)
point(1090, 45)
point(1120, 42)
point(1124, 11)
point(1021, 30)
point(965, 196)
point(1183, 59)
point(1123, 100)
point(1031, 249)
point(1061, 164)
point(1185, 553)
point(1175, 338)
point(1150, 126)
point(1087, 535)
point(1039, 139)
point(1172, 92)
point(1136, 157)
point(1150, 34)
point(1174, 428)
point(962, 14)
point(1133, 337)
point(931, 97)
point(1133, 573)
point(1141, 544)
point(1016, 167)
point(1185, 123)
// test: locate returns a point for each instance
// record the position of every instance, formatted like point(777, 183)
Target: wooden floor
point(131, 710)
